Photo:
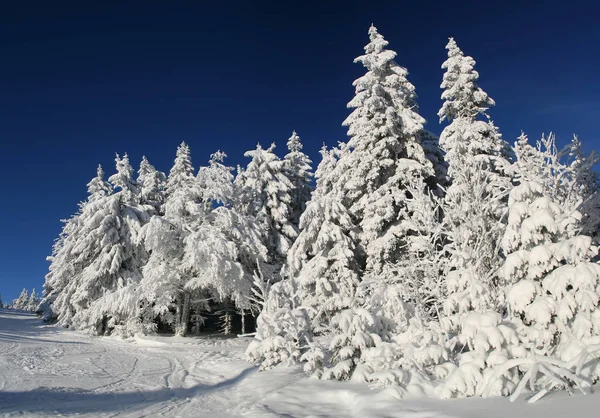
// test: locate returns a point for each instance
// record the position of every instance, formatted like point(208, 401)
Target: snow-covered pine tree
point(470, 137)
point(474, 207)
point(33, 302)
point(164, 277)
point(322, 260)
point(320, 277)
point(106, 260)
point(385, 155)
point(474, 210)
point(357, 211)
point(98, 188)
point(299, 171)
point(283, 328)
point(151, 183)
point(385, 152)
point(65, 267)
point(22, 300)
point(266, 195)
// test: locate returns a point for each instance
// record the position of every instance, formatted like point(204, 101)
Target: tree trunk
point(182, 315)
point(243, 322)
point(185, 315)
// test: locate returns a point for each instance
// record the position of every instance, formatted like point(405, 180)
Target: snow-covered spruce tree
point(320, 277)
point(123, 179)
point(474, 211)
point(266, 195)
point(322, 260)
point(368, 185)
point(33, 302)
point(65, 268)
point(299, 171)
point(385, 156)
point(22, 300)
point(164, 276)
point(108, 260)
point(151, 183)
point(474, 204)
point(283, 328)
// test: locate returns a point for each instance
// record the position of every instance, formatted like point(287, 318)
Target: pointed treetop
point(182, 172)
point(144, 164)
point(376, 56)
point(294, 144)
point(98, 187)
point(453, 49)
point(462, 96)
point(123, 178)
point(378, 43)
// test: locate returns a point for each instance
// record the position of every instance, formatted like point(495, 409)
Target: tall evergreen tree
point(475, 203)
point(266, 194)
point(385, 153)
point(22, 300)
point(299, 171)
point(65, 267)
point(96, 262)
point(322, 259)
point(353, 221)
point(33, 301)
point(164, 276)
point(111, 258)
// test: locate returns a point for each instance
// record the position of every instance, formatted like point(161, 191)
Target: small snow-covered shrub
point(283, 330)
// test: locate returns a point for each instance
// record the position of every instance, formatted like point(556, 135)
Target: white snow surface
point(50, 371)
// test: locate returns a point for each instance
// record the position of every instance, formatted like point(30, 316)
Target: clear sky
point(82, 80)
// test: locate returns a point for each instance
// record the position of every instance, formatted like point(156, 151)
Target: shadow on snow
point(78, 401)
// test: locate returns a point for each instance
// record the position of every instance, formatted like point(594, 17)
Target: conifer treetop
point(462, 96)
point(98, 187)
point(123, 178)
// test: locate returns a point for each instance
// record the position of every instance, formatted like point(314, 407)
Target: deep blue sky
point(81, 81)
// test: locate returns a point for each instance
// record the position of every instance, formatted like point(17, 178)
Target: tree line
point(452, 266)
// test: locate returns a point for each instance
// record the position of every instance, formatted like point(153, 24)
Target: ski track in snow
point(49, 371)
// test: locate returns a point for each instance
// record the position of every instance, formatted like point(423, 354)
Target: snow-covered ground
point(50, 371)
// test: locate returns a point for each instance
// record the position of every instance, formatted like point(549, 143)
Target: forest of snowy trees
point(452, 266)
point(26, 301)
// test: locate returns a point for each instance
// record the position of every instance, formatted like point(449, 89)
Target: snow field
point(50, 371)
